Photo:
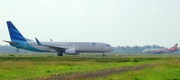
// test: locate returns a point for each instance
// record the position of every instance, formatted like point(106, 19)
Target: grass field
point(161, 70)
point(20, 67)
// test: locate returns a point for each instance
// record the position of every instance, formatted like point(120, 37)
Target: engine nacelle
point(71, 52)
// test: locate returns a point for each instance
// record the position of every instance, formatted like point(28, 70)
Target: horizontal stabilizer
point(10, 42)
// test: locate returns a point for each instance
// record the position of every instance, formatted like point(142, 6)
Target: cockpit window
point(107, 45)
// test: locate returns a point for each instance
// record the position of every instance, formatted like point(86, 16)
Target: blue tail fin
point(14, 33)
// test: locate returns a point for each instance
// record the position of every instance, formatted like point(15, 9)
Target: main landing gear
point(59, 54)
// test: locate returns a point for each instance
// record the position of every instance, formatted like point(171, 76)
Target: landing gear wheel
point(103, 54)
point(60, 54)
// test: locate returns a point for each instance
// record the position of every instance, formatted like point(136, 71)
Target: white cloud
point(154, 8)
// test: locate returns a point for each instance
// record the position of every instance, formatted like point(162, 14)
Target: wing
point(158, 51)
point(56, 48)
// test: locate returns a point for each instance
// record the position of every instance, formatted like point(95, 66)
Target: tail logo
point(175, 47)
point(14, 33)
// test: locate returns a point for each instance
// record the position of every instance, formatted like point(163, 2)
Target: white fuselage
point(18, 41)
point(156, 50)
point(78, 46)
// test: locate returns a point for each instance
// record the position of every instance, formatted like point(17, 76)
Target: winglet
point(38, 41)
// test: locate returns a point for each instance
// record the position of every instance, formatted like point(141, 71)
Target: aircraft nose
point(112, 48)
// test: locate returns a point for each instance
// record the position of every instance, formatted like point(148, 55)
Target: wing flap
point(54, 47)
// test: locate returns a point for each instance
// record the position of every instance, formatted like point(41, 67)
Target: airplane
point(159, 51)
point(68, 48)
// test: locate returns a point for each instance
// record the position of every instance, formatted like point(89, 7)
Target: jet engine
point(71, 52)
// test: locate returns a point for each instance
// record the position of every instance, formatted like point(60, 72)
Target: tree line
point(137, 49)
point(118, 49)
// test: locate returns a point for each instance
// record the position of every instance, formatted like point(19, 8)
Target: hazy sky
point(117, 22)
